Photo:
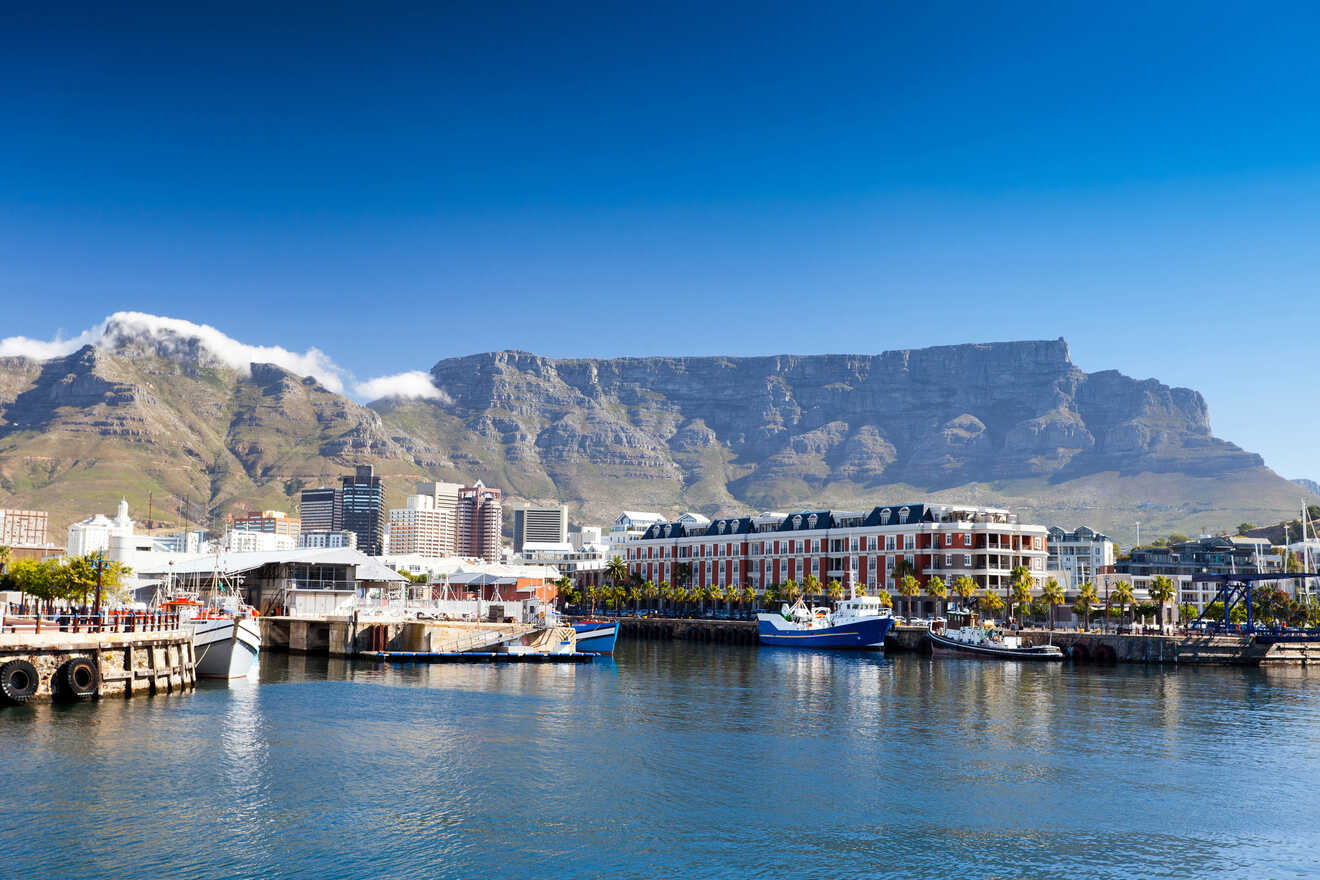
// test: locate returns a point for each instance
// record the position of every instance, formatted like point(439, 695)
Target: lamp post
point(100, 566)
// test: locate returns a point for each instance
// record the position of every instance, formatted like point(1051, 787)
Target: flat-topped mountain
point(1014, 423)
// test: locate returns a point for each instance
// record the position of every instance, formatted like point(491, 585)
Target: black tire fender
point(18, 681)
point(79, 678)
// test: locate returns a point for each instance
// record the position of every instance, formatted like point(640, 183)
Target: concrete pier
point(125, 664)
point(350, 636)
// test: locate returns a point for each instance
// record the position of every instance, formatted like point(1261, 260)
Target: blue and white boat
point(596, 636)
point(860, 622)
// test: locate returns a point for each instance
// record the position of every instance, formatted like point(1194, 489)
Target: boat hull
point(226, 648)
point(596, 637)
point(772, 629)
point(945, 647)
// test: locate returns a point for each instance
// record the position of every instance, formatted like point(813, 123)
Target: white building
point(631, 525)
point(539, 525)
point(243, 541)
point(445, 499)
point(420, 528)
point(93, 534)
point(1079, 556)
point(328, 540)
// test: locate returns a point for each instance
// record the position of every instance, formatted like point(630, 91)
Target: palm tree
point(616, 570)
point(1019, 583)
point(937, 588)
point(902, 568)
point(1087, 599)
point(635, 591)
point(811, 585)
point(1122, 594)
point(745, 596)
point(5, 555)
point(886, 600)
point(1053, 594)
point(1020, 592)
point(709, 593)
point(769, 595)
point(650, 591)
point(909, 586)
point(792, 590)
point(964, 588)
point(666, 595)
point(990, 602)
point(593, 596)
point(834, 590)
point(1161, 590)
point(731, 593)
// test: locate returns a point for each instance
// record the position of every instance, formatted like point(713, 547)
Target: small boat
point(974, 639)
point(596, 636)
point(859, 622)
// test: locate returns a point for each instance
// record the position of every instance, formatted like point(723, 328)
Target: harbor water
point(675, 760)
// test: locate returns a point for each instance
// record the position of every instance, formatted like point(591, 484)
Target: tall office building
point(363, 503)
point(539, 525)
point(480, 522)
point(421, 529)
point(445, 498)
point(272, 522)
point(321, 510)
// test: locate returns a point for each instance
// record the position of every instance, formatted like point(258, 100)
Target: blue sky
point(396, 183)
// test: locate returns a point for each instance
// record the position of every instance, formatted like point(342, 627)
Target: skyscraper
point(480, 523)
point(320, 510)
point(539, 525)
point(363, 502)
point(445, 496)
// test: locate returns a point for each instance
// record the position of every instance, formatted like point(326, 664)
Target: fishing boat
point(226, 635)
point(596, 636)
point(859, 622)
point(974, 639)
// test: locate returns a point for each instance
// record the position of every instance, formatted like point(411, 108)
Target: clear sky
point(396, 183)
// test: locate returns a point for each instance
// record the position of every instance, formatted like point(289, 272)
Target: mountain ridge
point(1013, 423)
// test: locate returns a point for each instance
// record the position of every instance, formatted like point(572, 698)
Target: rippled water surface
point(675, 760)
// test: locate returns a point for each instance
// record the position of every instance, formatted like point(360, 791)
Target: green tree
point(1245, 527)
point(964, 588)
point(31, 577)
point(1121, 595)
point(770, 595)
point(650, 591)
point(746, 596)
point(886, 600)
point(1087, 599)
point(1019, 587)
point(989, 602)
point(1161, 590)
point(1177, 538)
point(936, 587)
point(1053, 595)
point(811, 585)
point(5, 555)
point(834, 590)
point(909, 586)
point(666, 593)
point(901, 569)
point(1187, 612)
point(616, 570)
point(731, 593)
point(792, 590)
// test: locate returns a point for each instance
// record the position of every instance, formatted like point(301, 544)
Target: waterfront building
point(1078, 556)
point(480, 522)
point(540, 525)
point(419, 528)
point(589, 535)
point(630, 525)
point(934, 539)
point(1187, 561)
point(363, 502)
point(321, 510)
point(93, 534)
point(445, 497)
point(191, 541)
point(328, 540)
point(274, 522)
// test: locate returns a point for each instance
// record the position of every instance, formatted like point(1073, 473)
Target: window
point(910, 561)
point(948, 560)
point(967, 540)
point(889, 542)
point(910, 542)
point(967, 560)
point(1035, 542)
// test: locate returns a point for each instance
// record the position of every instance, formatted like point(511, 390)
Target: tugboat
point(973, 639)
point(859, 622)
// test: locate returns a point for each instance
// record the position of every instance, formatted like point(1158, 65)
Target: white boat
point(226, 641)
point(860, 622)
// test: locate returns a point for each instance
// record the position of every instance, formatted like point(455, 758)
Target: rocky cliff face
point(768, 430)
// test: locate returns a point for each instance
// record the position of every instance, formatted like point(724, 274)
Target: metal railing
point(89, 622)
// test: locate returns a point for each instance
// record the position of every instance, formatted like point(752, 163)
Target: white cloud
point(414, 383)
point(166, 332)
